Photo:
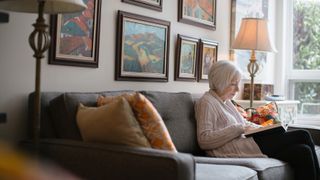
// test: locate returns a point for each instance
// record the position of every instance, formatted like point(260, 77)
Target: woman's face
point(231, 90)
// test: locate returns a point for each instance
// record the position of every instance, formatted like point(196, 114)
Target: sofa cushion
point(112, 123)
point(224, 172)
point(317, 148)
point(63, 108)
point(63, 112)
point(148, 118)
point(176, 109)
point(46, 130)
point(267, 168)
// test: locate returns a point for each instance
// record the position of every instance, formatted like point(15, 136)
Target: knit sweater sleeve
point(209, 135)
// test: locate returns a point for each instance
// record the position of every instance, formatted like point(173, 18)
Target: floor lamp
point(253, 35)
point(39, 39)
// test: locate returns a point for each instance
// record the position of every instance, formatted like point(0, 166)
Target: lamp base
point(39, 41)
point(253, 68)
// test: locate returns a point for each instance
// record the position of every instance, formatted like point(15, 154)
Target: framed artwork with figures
point(208, 55)
point(186, 58)
point(241, 9)
point(75, 37)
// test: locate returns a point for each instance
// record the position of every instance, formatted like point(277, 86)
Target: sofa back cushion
point(177, 112)
point(46, 130)
point(58, 115)
point(62, 112)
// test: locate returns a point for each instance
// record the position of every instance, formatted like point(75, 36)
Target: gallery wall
point(17, 67)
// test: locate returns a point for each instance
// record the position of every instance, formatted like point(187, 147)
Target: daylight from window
point(306, 57)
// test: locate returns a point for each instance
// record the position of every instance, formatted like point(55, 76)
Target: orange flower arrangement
point(263, 115)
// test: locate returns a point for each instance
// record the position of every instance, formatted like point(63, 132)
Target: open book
point(275, 128)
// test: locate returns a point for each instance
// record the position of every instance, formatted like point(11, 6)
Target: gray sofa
point(61, 143)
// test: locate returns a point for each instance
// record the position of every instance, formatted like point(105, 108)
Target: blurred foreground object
point(18, 166)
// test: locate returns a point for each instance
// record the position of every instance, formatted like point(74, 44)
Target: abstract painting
point(150, 4)
point(76, 37)
point(198, 12)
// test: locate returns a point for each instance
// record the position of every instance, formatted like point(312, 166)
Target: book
point(274, 128)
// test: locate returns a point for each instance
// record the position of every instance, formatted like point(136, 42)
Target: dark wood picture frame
point(186, 13)
point(146, 3)
point(142, 52)
point(206, 57)
point(79, 33)
point(187, 49)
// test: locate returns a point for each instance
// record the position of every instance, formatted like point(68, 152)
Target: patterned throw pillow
point(263, 115)
point(149, 119)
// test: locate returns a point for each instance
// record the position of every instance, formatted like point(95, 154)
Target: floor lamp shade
point(253, 35)
point(50, 6)
point(39, 41)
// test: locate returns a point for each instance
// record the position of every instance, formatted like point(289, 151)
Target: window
point(303, 72)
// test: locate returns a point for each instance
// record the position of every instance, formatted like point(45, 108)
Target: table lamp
point(253, 35)
point(39, 39)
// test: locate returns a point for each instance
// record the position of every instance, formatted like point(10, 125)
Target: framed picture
point(199, 13)
point(208, 55)
point(150, 4)
point(142, 48)
point(241, 9)
point(75, 37)
point(186, 58)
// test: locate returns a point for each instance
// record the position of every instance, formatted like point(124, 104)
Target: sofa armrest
point(105, 161)
point(314, 131)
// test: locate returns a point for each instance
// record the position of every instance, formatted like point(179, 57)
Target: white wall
point(17, 64)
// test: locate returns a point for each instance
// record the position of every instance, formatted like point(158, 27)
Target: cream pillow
point(112, 123)
point(148, 117)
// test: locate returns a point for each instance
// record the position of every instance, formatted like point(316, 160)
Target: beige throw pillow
point(148, 117)
point(112, 123)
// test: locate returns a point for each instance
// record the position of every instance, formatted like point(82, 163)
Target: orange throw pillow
point(149, 119)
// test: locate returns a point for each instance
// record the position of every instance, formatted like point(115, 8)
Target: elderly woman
point(220, 128)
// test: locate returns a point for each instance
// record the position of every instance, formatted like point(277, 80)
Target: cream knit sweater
point(220, 129)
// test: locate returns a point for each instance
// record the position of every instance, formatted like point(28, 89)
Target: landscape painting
point(143, 49)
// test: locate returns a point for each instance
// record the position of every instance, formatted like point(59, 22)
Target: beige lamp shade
point(50, 7)
point(253, 35)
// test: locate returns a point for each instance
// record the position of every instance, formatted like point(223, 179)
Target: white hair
point(221, 74)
